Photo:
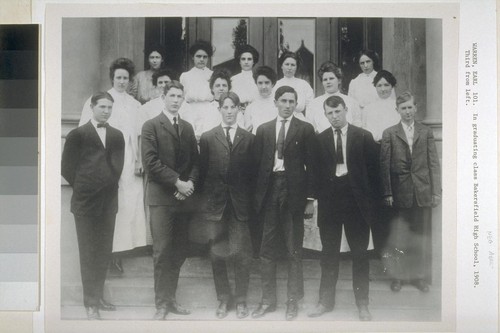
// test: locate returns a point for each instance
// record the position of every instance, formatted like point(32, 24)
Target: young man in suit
point(92, 162)
point(170, 158)
point(347, 181)
point(226, 183)
point(284, 151)
point(411, 181)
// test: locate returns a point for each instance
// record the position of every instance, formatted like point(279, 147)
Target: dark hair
point(333, 102)
point(383, 74)
point(283, 90)
point(122, 63)
point(405, 97)
point(267, 72)
point(220, 74)
point(370, 54)
point(155, 47)
point(231, 95)
point(330, 67)
point(163, 72)
point(173, 84)
point(246, 48)
point(292, 55)
point(100, 95)
point(201, 45)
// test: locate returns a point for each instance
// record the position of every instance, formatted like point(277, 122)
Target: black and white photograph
point(155, 207)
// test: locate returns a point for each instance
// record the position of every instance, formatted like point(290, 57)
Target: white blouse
point(362, 89)
point(381, 115)
point(196, 85)
point(244, 86)
point(260, 111)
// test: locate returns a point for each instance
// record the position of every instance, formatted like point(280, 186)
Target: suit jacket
point(226, 174)
point(414, 176)
point(362, 166)
point(167, 157)
point(299, 159)
point(93, 170)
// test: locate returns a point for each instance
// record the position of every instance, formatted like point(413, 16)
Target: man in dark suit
point(348, 174)
point(226, 182)
point(411, 182)
point(92, 162)
point(284, 150)
point(170, 158)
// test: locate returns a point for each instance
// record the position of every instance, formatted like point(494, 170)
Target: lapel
point(166, 124)
point(292, 131)
point(401, 134)
point(94, 136)
point(331, 145)
point(220, 135)
point(351, 138)
point(181, 125)
point(238, 137)
point(416, 132)
point(272, 139)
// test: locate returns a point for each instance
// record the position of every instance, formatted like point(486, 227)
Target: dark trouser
point(277, 219)
point(169, 228)
point(342, 209)
point(413, 237)
point(95, 243)
point(235, 244)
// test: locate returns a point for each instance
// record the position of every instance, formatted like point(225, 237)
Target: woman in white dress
point(262, 109)
point(361, 88)
point(382, 113)
point(243, 84)
point(197, 94)
point(142, 87)
point(331, 78)
point(289, 63)
point(130, 228)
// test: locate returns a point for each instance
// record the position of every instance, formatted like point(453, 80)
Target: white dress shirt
point(232, 130)
point(409, 132)
point(171, 117)
point(101, 131)
point(279, 164)
point(341, 169)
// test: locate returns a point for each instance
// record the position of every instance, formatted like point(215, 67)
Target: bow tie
point(105, 125)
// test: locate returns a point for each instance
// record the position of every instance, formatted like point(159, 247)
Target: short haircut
point(292, 55)
point(383, 74)
point(220, 74)
point(370, 54)
point(244, 49)
point(122, 63)
point(267, 72)
point(201, 45)
point(173, 84)
point(333, 102)
point(405, 97)
point(163, 72)
point(100, 95)
point(283, 90)
point(231, 95)
point(330, 67)
point(155, 47)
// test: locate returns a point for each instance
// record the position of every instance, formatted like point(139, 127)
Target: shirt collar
point(233, 126)
point(343, 130)
point(94, 122)
point(405, 127)
point(280, 118)
point(171, 116)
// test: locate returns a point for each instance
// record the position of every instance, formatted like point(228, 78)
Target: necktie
point(281, 140)
point(228, 137)
point(105, 125)
point(176, 126)
point(340, 153)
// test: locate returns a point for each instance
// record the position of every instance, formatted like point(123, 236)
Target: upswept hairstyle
point(122, 63)
point(220, 74)
point(370, 54)
point(201, 45)
point(267, 72)
point(330, 67)
point(383, 74)
point(292, 55)
point(246, 48)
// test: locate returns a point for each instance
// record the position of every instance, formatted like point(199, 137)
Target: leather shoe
point(160, 314)
point(106, 306)
point(364, 314)
point(242, 310)
point(175, 308)
point(93, 313)
point(292, 310)
point(396, 285)
point(319, 310)
point(263, 309)
point(421, 285)
point(222, 310)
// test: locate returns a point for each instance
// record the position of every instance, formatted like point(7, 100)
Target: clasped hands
point(184, 189)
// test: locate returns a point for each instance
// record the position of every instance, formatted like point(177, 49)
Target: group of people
point(203, 158)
